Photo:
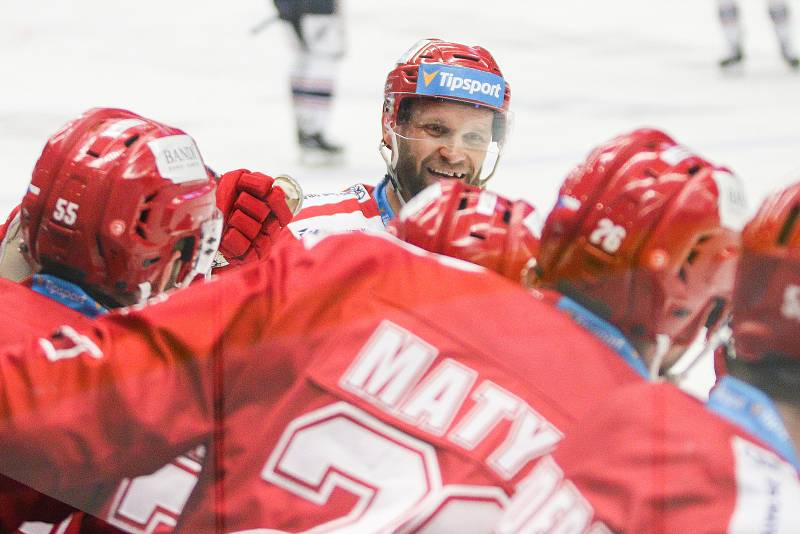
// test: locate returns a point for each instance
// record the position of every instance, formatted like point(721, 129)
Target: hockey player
point(348, 382)
point(654, 459)
point(317, 30)
point(119, 209)
point(778, 12)
point(445, 117)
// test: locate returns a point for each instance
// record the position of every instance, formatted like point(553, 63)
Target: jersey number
point(395, 477)
point(65, 212)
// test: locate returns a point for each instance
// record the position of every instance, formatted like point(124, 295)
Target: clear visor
point(455, 138)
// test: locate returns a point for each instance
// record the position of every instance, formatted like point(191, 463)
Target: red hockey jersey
point(349, 383)
point(653, 459)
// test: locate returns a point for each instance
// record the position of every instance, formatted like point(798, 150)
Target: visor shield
point(459, 139)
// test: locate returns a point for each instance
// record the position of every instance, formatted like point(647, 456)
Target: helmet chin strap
point(145, 289)
point(390, 157)
point(663, 344)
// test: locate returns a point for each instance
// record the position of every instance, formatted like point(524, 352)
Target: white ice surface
point(581, 72)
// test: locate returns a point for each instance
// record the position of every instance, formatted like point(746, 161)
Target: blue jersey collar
point(750, 408)
point(67, 293)
point(605, 332)
point(386, 211)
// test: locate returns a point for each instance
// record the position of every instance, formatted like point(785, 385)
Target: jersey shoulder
point(353, 209)
point(25, 312)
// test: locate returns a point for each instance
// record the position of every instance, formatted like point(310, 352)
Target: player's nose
point(452, 153)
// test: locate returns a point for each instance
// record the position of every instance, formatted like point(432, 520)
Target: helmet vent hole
point(463, 204)
point(507, 217)
point(140, 232)
point(692, 256)
point(693, 170)
point(682, 274)
point(93, 153)
point(131, 140)
point(147, 262)
point(144, 215)
point(788, 226)
point(477, 235)
point(467, 57)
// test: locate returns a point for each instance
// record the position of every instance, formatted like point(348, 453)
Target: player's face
point(442, 141)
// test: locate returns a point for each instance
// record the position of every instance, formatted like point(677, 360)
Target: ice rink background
point(581, 72)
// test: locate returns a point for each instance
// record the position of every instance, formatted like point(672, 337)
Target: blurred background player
point(119, 209)
point(367, 364)
point(732, 28)
point(654, 459)
point(445, 117)
point(318, 41)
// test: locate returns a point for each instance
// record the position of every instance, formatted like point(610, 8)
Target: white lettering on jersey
point(437, 399)
point(81, 344)
point(768, 491)
point(791, 302)
point(37, 527)
point(154, 502)
point(493, 404)
point(389, 364)
point(531, 436)
point(545, 502)
point(388, 373)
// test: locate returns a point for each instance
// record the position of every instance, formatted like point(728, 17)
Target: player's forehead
point(451, 112)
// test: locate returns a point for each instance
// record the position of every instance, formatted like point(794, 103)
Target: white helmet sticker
point(416, 47)
point(117, 128)
point(731, 200)
point(178, 158)
point(534, 223)
point(675, 154)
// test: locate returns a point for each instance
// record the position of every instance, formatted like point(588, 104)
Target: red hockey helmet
point(766, 305)
point(113, 198)
point(647, 234)
point(443, 70)
point(465, 222)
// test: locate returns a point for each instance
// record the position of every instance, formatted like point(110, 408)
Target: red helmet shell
point(112, 198)
point(478, 226)
point(647, 233)
point(766, 305)
point(402, 81)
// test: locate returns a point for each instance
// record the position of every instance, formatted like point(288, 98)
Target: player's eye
point(434, 129)
point(475, 140)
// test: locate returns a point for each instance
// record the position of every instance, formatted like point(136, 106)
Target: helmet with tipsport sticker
point(120, 205)
point(766, 305)
point(475, 225)
point(646, 234)
point(442, 71)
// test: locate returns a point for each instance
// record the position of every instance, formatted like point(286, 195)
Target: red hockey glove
point(256, 208)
